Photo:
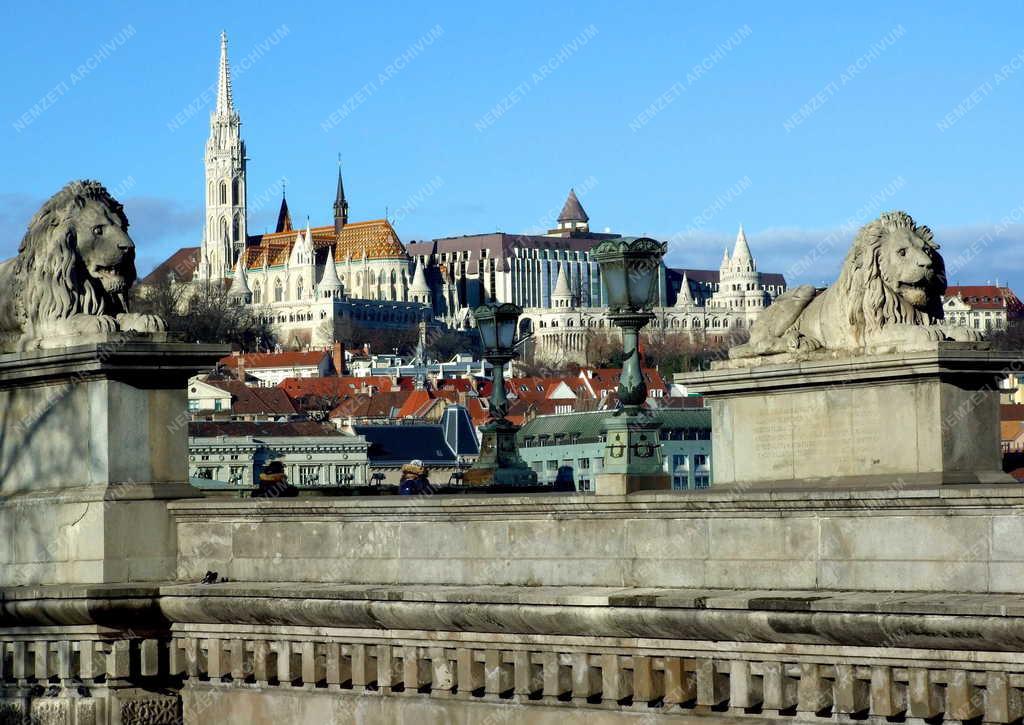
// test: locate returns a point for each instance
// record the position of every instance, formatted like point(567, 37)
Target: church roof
point(572, 211)
point(377, 238)
point(180, 266)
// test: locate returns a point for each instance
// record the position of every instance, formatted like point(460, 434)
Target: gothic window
point(298, 289)
point(210, 194)
point(278, 291)
point(257, 294)
point(223, 193)
point(234, 228)
point(234, 192)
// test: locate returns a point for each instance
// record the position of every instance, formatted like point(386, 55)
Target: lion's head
point(76, 256)
point(893, 273)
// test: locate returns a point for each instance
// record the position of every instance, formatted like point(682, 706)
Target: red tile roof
point(251, 360)
point(297, 388)
point(987, 297)
point(246, 400)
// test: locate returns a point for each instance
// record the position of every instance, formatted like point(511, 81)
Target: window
point(343, 476)
point(236, 476)
point(223, 193)
point(278, 291)
point(218, 404)
point(193, 406)
point(309, 475)
point(205, 473)
point(680, 472)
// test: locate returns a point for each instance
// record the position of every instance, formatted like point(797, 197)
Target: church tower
point(224, 233)
point(340, 205)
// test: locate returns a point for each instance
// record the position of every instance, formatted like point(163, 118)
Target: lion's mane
point(51, 279)
point(870, 302)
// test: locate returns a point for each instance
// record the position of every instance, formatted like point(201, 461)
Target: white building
point(986, 308)
point(709, 308)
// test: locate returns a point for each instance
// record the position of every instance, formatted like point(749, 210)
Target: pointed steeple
point(685, 297)
point(340, 204)
point(224, 103)
point(330, 285)
point(725, 258)
point(561, 296)
point(741, 250)
point(239, 290)
point(284, 217)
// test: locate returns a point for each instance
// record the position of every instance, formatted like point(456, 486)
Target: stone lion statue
point(888, 296)
point(72, 274)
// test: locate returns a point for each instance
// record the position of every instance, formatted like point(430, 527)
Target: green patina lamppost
point(499, 462)
point(632, 457)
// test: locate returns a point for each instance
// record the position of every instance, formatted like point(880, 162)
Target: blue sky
point(799, 120)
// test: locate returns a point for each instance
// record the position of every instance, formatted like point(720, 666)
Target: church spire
point(340, 204)
point(284, 217)
point(240, 291)
point(224, 103)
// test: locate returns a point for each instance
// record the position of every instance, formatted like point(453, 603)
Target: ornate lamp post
point(632, 458)
point(499, 460)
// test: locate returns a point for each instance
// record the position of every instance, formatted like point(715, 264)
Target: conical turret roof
point(419, 280)
point(562, 288)
point(240, 283)
point(284, 217)
point(742, 249)
point(330, 282)
point(572, 210)
point(685, 297)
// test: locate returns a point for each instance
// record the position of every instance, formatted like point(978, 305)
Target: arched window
point(257, 294)
point(278, 291)
point(234, 192)
point(234, 228)
point(210, 194)
point(298, 289)
point(223, 193)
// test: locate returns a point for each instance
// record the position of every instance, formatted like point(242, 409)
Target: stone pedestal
point(499, 463)
point(632, 456)
point(93, 442)
point(917, 418)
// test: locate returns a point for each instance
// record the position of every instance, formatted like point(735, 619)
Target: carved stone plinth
point(93, 442)
point(917, 418)
point(632, 456)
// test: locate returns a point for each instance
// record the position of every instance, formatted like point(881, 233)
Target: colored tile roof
point(181, 266)
point(1011, 411)
point(363, 406)
point(376, 238)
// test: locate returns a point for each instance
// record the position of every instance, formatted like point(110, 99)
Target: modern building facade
point(577, 441)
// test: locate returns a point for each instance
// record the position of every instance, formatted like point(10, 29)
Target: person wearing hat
point(273, 482)
point(414, 480)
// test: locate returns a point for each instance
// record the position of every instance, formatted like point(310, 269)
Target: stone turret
point(561, 296)
point(419, 290)
point(330, 285)
point(685, 297)
point(239, 291)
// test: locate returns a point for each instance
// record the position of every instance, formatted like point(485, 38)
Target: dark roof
point(182, 264)
point(458, 428)
point(247, 400)
point(590, 426)
point(500, 245)
point(398, 444)
point(572, 211)
point(265, 429)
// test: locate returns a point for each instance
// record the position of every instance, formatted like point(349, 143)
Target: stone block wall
point(951, 538)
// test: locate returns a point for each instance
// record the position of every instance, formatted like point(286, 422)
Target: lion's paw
point(135, 322)
point(86, 324)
